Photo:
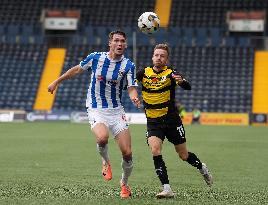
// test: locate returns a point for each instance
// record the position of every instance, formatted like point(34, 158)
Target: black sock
point(160, 169)
point(194, 161)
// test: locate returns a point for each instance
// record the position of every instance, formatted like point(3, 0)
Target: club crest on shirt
point(163, 78)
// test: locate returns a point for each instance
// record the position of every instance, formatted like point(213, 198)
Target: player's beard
point(159, 65)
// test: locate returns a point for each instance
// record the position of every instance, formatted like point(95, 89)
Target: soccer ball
point(148, 22)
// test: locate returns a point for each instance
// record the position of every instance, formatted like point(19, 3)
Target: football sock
point(127, 166)
point(103, 150)
point(160, 169)
point(166, 187)
point(194, 161)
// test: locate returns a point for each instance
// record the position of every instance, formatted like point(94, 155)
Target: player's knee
point(155, 151)
point(102, 138)
point(102, 142)
point(183, 155)
point(127, 155)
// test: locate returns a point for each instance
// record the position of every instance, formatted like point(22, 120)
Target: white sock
point(167, 187)
point(104, 153)
point(127, 167)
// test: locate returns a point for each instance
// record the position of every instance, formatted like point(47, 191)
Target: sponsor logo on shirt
point(154, 80)
point(112, 82)
point(100, 78)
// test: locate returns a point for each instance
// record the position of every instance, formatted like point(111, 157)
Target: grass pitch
point(57, 163)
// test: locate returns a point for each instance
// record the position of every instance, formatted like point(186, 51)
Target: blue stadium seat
point(188, 34)
point(13, 29)
point(201, 37)
point(2, 30)
point(215, 36)
point(21, 70)
point(24, 39)
point(243, 41)
point(230, 41)
point(27, 29)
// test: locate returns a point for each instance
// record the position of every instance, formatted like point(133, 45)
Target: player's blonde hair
point(162, 46)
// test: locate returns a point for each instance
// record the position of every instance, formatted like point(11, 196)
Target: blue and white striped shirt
point(107, 77)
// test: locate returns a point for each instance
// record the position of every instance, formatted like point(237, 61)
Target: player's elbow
point(77, 70)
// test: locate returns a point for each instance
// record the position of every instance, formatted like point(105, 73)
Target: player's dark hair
point(111, 34)
point(162, 46)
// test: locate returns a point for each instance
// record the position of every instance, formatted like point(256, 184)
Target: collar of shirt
point(114, 60)
point(160, 71)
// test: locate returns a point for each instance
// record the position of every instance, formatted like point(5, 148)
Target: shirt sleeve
point(131, 76)
point(140, 74)
point(184, 84)
point(87, 62)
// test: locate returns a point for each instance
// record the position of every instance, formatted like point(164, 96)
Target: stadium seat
point(207, 13)
point(201, 37)
point(13, 29)
point(21, 68)
point(212, 80)
point(215, 36)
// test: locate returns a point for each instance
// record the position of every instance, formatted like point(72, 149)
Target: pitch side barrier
point(210, 118)
point(259, 119)
point(139, 118)
point(206, 118)
point(12, 115)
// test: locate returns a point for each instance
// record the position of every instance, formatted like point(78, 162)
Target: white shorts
point(113, 118)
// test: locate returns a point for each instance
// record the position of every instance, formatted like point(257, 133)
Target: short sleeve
point(87, 62)
point(140, 74)
point(131, 76)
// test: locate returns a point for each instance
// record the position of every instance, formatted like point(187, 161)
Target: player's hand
point(136, 101)
point(52, 87)
point(178, 78)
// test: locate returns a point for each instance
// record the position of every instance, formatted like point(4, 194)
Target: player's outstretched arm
point(67, 75)
point(134, 96)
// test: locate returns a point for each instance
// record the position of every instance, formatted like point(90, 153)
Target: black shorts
point(170, 128)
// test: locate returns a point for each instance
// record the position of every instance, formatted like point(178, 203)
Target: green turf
point(57, 163)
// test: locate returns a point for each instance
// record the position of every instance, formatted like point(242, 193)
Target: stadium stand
point(221, 78)
point(21, 68)
point(207, 13)
point(72, 95)
point(219, 66)
point(94, 12)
